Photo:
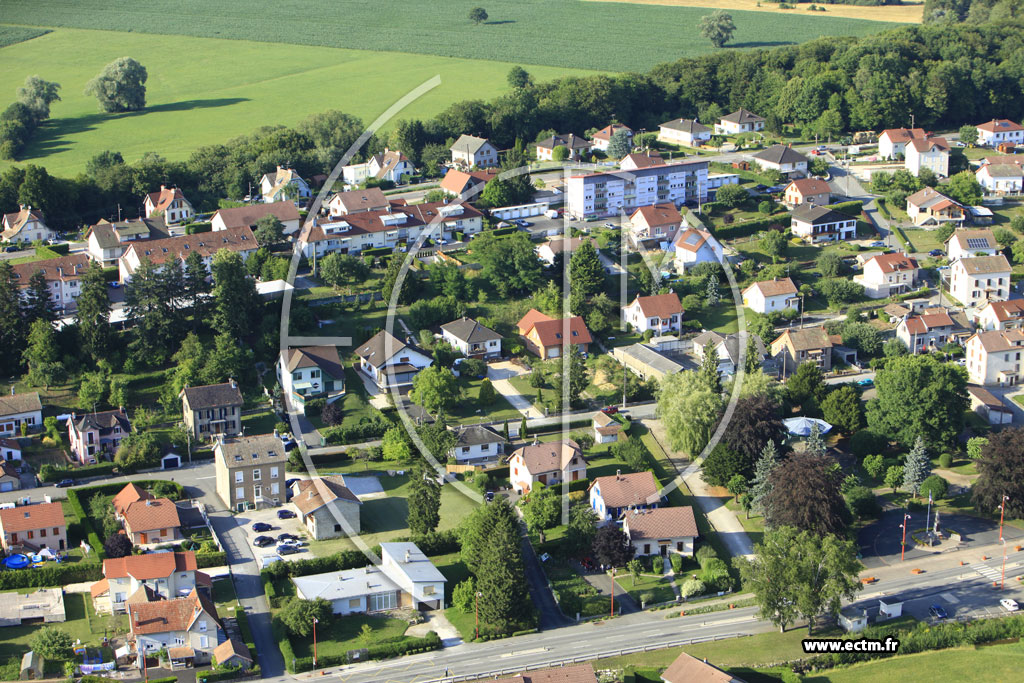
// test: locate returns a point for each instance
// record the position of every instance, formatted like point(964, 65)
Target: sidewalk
point(499, 374)
point(948, 559)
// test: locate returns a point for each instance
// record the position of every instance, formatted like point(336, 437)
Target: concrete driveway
point(499, 374)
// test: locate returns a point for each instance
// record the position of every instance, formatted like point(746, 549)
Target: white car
point(1009, 604)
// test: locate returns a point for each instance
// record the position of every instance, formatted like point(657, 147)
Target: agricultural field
point(518, 31)
point(908, 12)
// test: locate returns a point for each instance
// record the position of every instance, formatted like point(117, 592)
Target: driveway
point(499, 373)
point(550, 614)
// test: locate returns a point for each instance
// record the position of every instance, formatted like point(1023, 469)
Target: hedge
point(405, 646)
point(748, 228)
point(500, 232)
point(51, 574)
point(196, 228)
point(370, 430)
point(853, 208)
point(283, 642)
point(378, 251)
point(226, 673)
point(85, 523)
point(573, 424)
point(215, 559)
point(100, 469)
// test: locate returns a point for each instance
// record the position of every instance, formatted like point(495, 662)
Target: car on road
point(288, 549)
point(64, 483)
point(263, 541)
point(1009, 604)
point(877, 243)
point(610, 410)
point(611, 225)
point(260, 527)
point(285, 514)
point(937, 611)
point(936, 252)
point(866, 382)
point(958, 143)
point(12, 247)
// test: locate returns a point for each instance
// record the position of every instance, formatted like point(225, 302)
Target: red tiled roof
point(232, 647)
point(644, 159)
point(550, 332)
point(658, 214)
point(999, 126)
point(162, 199)
point(70, 267)
point(128, 495)
point(204, 243)
point(688, 669)
point(311, 496)
point(578, 673)
point(99, 588)
point(532, 317)
point(548, 457)
point(166, 616)
point(661, 523)
point(623, 490)
point(1007, 310)
point(894, 262)
point(903, 134)
point(149, 565)
point(769, 288)
point(146, 515)
point(31, 517)
point(929, 144)
point(920, 324)
point(607, 132)
point(809, 186)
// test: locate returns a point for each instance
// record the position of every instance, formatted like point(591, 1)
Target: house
point(457, 182)
point(391, 363)
point(152, 521)
point(147, 577)
point(574, 673)
point(887, 274)
point(176, 249)
point(63, 277)
point(284, 184)
point(595, 195)
point(576, 146)
point(472, 339)
point(107, 241)
point(10, 480)
point(993, 358)
point(92, 434)
point(169, 204)
point(600, 139)
point(693, 246)
point(740, 121)
point(33, 527)
point(797, 346)
point(405, 578)
point(661, 531)
point(547, 463)
point(306, 372)
point(249, 470)
point(477, 445)
point(1001, 178)
point(1001, 315)
point(327, 507)
point(233, 653)
point(547, 337)
point(247, 216)
point(471, 151)
point(16, 409)
point(999, 131)
point(131, 493)
point(646, 362)
point(768, 296)
point(25, 226)
point(688, 669)
point(966, 243)
point(807, 191)
point(927, 332)
point(187, 628)
point(660, 313)
point(892, 143)
point(927, 207)
point(387, 166)
point(989, 406)
point(607, 429)
point(685, 132)
point(358, 201)
point(781, 158)
point(613, 496)
point(637, 160)
point(212, 409)
point(930, 153)
point(728, 349)
point(549, 251)
point(821, 224)
point(654, 224)
point(977, 280)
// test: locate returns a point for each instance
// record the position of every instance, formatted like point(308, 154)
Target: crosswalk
point(988, 572)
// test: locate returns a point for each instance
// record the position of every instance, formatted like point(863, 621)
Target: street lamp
point(903, 544)
point(476, 607)
point(1002, 511)
point(1002, 580)
point(613, 592)
point(315, 621)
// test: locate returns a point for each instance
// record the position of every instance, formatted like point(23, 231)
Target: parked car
point(288, 549)
point(866, 382)
point(937, 611)
point(525, 224)
point(877, 243)
point(489, 496)
point(936, 252)
point(12, 247)
point(64, 483)
point(1009, 604)
point(611, 225)
point(285, 514)
point(610, 410)
point(260, 527)
point(287, 537)
point(262, 541)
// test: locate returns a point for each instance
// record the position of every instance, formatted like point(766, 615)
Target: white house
point(548, 251)
point(999, 131)
point(989, 406)
point(686, 132)
point(993, 358)
point(10, 450)
point(63, 277)
point(107, 241)
point(307, 372)
point(768, 296)
point(1001, 315)
point(187, 628)
point(146, 578)
point(477, 445)
point(967, 243)
point(1001, 178)
point(888, 274)
point(470, 151)
point(16, 409)
point(927, 332)
point(893, 141)
point(740, 121)
point(660, 313)
point(781, 158)
point(930, 153)
point(661, 531)
point(25, 226)
point(601, 138)
point(390, 362)
point(693, 246)
point(613, 496)
point(610, 193)
point(728, 350)
point(170, 204)
point(928, 207)
point(976, 281)
point(471, 338)
point(807, 191)
point(658, 223)
point(547, 463)
point(247, 216)
point(358, 201)
point(576, 146)
point(389, 165)
point(606, 428)
point(284, 184)
point(821, 224)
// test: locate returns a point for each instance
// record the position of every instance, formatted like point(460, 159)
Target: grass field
point(995, 663)
point(9, 35)
point(910, 13)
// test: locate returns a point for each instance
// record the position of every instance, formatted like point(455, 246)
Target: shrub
point(862, 502)
point(934, 485)
point(677, 562)
point(705, 553)
point(315, 406)
point(692, 587)
point(53, 474)
point(865, 442)
point(715, 574)
point(473, 367)
point(946, 460)
point(332, 414)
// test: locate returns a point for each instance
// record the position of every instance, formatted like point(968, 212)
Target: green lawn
point(343, 634)
point(993, 663)
point(658, 587)
point(924, 240)
point(470, 411)
point(260, 423)
point(224, 596)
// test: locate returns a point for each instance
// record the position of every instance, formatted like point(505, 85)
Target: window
point(273, 473)
point(42, 532)
point(202, 624)
point(239, 493)
point(428, 590)
point(274, 489)
point(55, 532)
point(257, 475)
point(353, 603)
point(239, 477)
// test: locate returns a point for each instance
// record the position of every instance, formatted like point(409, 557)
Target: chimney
point(234, 384)
point(149, 503)
point(162, 187)
point(618, 473)
point(408, 556)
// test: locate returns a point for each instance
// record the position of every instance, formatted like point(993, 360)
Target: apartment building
point(212, 409)
point(993, 358)
point(611, 193)
point(977, 280)
point(250, 470)
point(63, 277)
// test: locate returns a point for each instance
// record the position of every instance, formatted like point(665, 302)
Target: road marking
point(213, 477)
point(519, 653)
point(988, 572)
point(949, 597)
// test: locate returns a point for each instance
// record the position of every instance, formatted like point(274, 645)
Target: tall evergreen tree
point(500, 573)
point(711, 295)
point(93, 313)
point(391, 277)
point(424, 500)
point(586, 275)
point(234, 295)
point(917, 466)
point(761, 484)
point(195, 288)
point(752, 362)
point(12, 329)
point(42, 355)
point(708, 373)
point(815, 445)
point(38, 305)
point(149, 314)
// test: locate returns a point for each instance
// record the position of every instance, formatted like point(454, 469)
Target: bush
point(866, 442)
point(934, 485)
point(677, 562)
point(849, 208)
point(946, 460)
point(473, 367)
point(705, 553)
point(53, 474)
point(315, 406)
point(862, 502)
point(715, 574)
point(368, 429)
point(52, 574)
point(332, 414)
point(208, 559)
point(692, 587)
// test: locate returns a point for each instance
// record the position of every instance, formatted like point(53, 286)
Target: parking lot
point(269, 515)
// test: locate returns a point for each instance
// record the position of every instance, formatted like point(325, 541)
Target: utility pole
point(1002, 511)
point(613, 592)
point(903, 544)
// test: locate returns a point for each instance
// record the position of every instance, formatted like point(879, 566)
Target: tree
point(814, 444)
point(721, 465)
point(120, 86)
point(917, 466)
point(964, 188)
point(1001, 473)
point(492, 552)
point(269, 230)
point(38, 95)
point(38, 304)
point(579, 378)
point(541, 508)
point(894, 477)
point(395, 445)
point(842, 409)
point(227, 360)
point(586, 274)
point(298, 615)
point(737, 485)
point(894, 347)
point(195, 287)
point(612, 547)
point(975, 446)
point(830, 264)
point(235, 300)
point(760, 484)
point(50, 642)
point(92, 390)
point(12, 328)
point(424, 500)
point(435, 388)
point(42, 355)
point(807, 382)
point(969, 135)
point(391, 278)
point(559, 153)
point(717, 27)
point(137, 450)
point(798, 573)
point(518, 77)
point(709, 374)
point(486, 395)
point(117, 545)
point(732, 196)
point(580, 532)
point(689, 410)
point(632, 451)
point(774, 244)
point(478, 15)
point(934, 487)
point(918, 395)
point(874, 465)
point(755, 422)
point(620, 144)
point(711, 295)
point(805, 494)
point(510, 263)
point(92, 316)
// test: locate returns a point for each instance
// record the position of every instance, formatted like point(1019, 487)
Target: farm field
point(910, 12)
point(204, 91)
point(518, 31)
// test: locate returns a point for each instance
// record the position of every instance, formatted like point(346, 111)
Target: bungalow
point(471, 151)
point(781, 158)
point(930, 153)
point(573, 673)
point(547, 337)
point(1001, 315)
point(457, 183)
point(797, 346)
point(358, 201)
point(686, 132)
point(740, 121)
point(993, 358)
point(233, 653)
point(10, 449)
point(998, 131)
point(966, 243)
point(284, 184)
point(247, 216)
point(1001, 178)
point(477, 445)
point(212, 409)
point(404, 578)
point(660, 313)
point(547, 463)
point(306, 372)
point(930, 208)
point(728, 349)
point(656, 224)
point(327, 507)
point(63, 277)
point(33, 527)
point(389, 166)
point(978, 280)
point(646, 362)
point(187, 628)
point(169, 204)
point(10, 480)
point(927, 332)
point(92, 434)
point(661, 531)
point(888, 274)
point(821, 224)
point(16, 409)
point(471, 338)
point(107, 241)
point(807, 191)
point(892, 143)
point(638, 160)
point(768, 296)
point(25, 226)
point(575, 146)
point(206, 244)
point(693, 246)
point(607, 429)
point(391, 363)
point(152, 521)
point(549, 251)
point(145, 578)
point(600, 139)
point(989, 406)
point(689, 669)
point(613, 496)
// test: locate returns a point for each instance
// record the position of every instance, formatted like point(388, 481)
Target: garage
point(6, 486)
point(170, 461)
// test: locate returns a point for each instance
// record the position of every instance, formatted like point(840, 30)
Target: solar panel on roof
point(977, 243)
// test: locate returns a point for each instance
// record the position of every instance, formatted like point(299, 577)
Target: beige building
point(888, 274)
point(33, 527)
point(971, 242)
point(548, 463)
point(187, 628)
point(212, 409)
point(978, 280)
point(797, 346)
point(323, 504)
point(250, 470)
point(145, 578)
point(993, 358)
point(1001, 315)
point(661, 531)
